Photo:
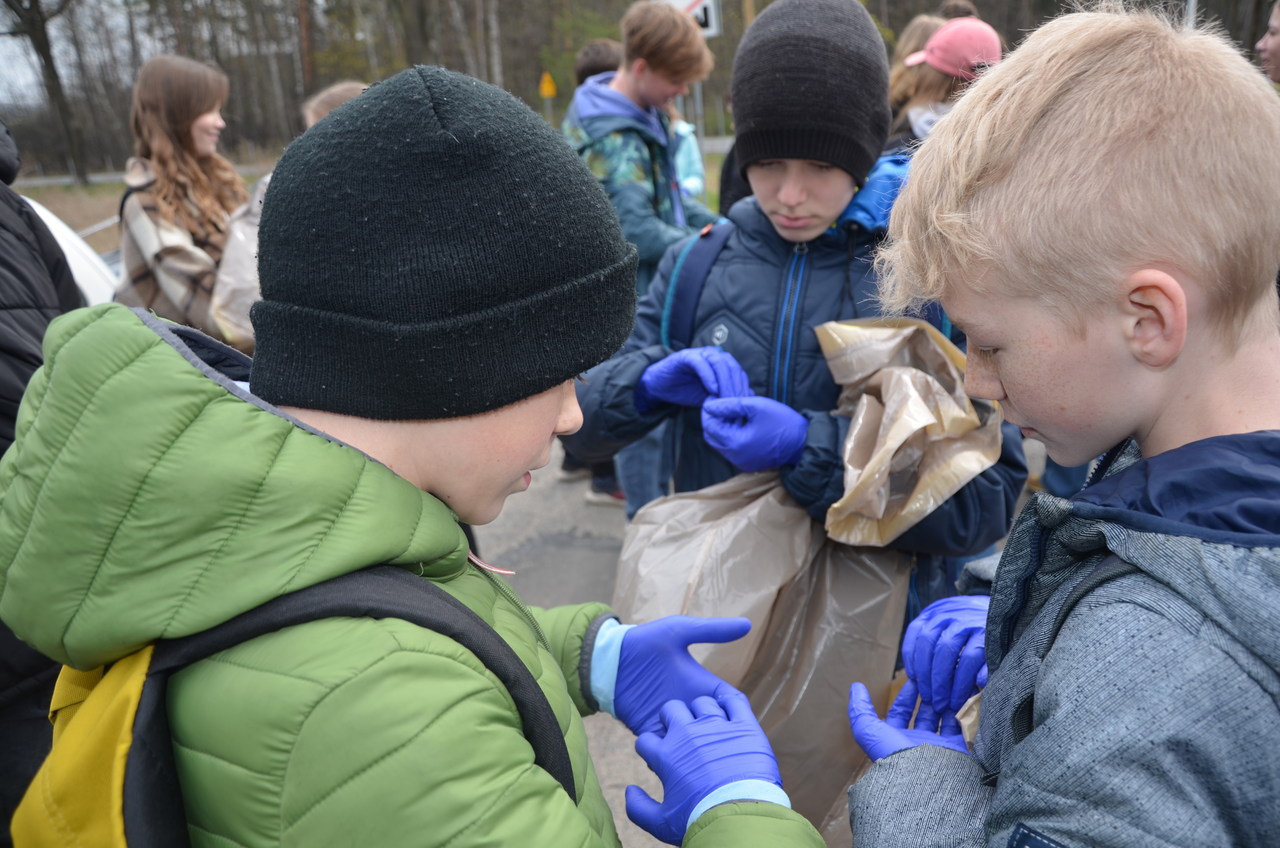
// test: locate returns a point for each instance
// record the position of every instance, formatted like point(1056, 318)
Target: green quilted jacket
point(147, 496)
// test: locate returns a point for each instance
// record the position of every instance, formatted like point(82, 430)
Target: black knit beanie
point(811, 81)
point(434, 249)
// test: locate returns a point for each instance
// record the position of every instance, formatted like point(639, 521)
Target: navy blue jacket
point(761, 301)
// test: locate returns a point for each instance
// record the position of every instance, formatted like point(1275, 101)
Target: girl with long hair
point(179, 192)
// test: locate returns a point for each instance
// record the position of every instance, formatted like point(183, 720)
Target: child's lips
point(793, 222)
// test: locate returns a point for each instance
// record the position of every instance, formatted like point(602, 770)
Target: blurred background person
point(179, 192)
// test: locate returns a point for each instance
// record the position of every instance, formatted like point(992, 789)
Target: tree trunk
point(459, 22)
point(495, 46)
point(34, 24)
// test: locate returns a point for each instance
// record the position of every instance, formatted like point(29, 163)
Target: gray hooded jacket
point(1153, 717)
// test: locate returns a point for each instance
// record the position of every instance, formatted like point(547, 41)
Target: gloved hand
point(701, 747)
point(944, 651)
point(754, 433)
point(688, 377)
point(881, 738)
point(654, 666)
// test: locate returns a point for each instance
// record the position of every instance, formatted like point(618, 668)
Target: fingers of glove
point(983, 674)
point(903, 706)
point(721, 422)
point(861, 710)
point(735, 704)
point(674, 713)
point(649, 747)
point(691, 629)
point(926, 717)
point(731, 379)
point(950, 725)
point(942, 672)
point(973, 659)
point(647, 813)
point(705, 706)
point(909, 640)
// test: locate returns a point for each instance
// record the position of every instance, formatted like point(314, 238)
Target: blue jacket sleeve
point(607, 393)
point(973, 518)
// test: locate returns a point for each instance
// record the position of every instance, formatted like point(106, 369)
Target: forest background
point(81, 57)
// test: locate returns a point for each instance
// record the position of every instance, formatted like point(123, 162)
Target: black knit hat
point(811, 81)
point(434, 249)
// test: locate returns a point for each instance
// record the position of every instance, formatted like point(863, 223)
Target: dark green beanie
point(434, 249)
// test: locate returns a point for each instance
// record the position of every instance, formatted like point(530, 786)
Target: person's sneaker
point(573, 468)
point(604, 496)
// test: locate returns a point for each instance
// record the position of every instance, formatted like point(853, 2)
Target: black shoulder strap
point(1108, 569)
point(154, 814)
point(688, 275)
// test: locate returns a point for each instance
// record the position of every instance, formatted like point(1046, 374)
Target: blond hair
point(1110, 140)
point(667, 39)
point(327, 99)
point(196, 192)
point(903, 80)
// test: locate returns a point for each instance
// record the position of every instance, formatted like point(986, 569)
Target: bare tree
point(30, 19)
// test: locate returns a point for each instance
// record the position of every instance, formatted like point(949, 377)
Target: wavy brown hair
point(192, 191)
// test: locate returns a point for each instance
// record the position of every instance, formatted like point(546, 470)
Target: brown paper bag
point(838, 621)
point(723, 550)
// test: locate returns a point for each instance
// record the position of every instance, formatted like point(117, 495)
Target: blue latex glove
point(711, 744)
point(944, 651)
point(654, 666)
point(688, 377)
point(754, 433)
point(882, 738)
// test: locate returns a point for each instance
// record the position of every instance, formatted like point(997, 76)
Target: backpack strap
point(1108, 569)
point(684, 289)
point(154, 813)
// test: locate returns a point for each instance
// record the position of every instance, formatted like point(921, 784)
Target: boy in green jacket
point(436, 267)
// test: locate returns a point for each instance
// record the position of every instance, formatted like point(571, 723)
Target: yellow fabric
point(77, 797)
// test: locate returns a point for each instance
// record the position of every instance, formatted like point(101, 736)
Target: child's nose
point(981, 380)
point(570, 414)
point(792, 191)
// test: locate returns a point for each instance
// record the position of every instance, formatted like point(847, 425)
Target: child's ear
point(1155, 316)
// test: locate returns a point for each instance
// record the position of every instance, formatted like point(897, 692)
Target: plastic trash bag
point(827, 603)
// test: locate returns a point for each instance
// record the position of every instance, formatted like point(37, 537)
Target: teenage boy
point(752, 391)
point(414, 363)
point(1132, 639)
point(618, 123)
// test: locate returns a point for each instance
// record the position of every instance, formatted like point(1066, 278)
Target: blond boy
point(1098, 215)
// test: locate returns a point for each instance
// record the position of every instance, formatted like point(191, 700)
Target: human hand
point(688, 377)
point(944, 651)
point(880, 738)
point(754, 433)
point(699, 748)
point(654, 666)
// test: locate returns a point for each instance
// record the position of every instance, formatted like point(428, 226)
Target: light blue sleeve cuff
point(604, 662)
point(741, 790)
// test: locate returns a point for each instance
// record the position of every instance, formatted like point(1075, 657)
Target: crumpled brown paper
point(915, 438)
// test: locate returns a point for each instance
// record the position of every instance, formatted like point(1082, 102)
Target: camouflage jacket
point(635, 167)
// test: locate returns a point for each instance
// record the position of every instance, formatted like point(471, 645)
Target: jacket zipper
point(787, 321)
point(519, 604)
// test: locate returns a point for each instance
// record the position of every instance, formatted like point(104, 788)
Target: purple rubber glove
point(688, 377)
point(754, 433)
point(710, 744)
point(944, 651)
point(881, 738)
point(654, 666)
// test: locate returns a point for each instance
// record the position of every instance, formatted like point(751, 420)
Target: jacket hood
point(1204, 520)
point(599, 110)
point(149, 496)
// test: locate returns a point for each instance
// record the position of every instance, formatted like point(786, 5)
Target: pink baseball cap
point(959, 47)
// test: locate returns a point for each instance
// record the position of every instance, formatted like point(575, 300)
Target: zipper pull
point(801, 248)
point(475, 560)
